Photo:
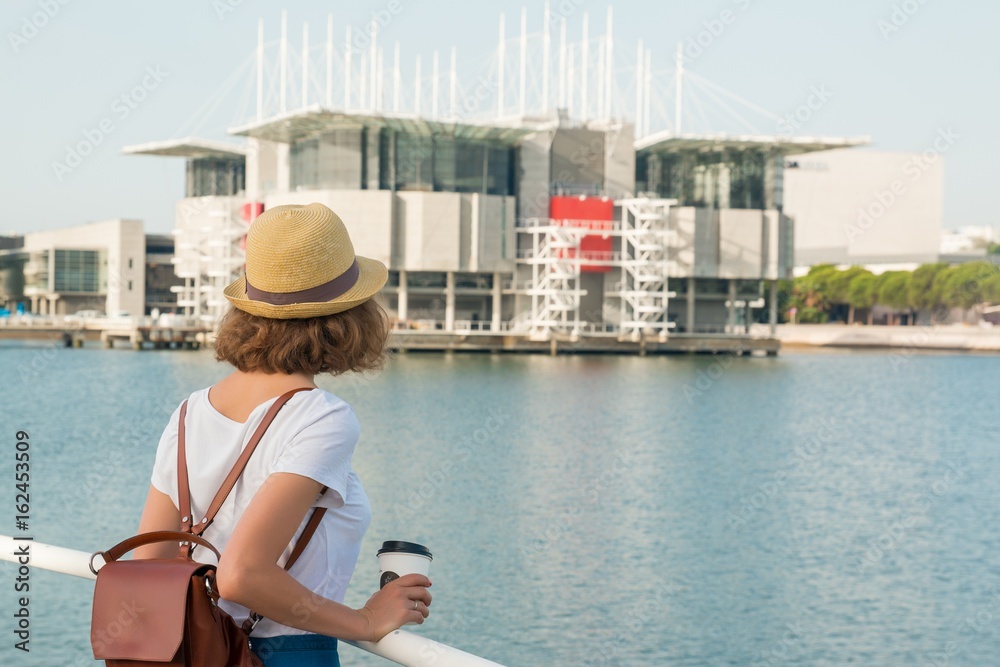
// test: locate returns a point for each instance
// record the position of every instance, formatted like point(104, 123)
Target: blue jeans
point(296, 651)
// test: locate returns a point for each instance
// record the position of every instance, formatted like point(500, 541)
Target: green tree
point(861, 292)
point(993, 249)
point(925, 292)
point(991, 290)
point(809, 293)
point(964, 286)
point(892, 291)
point(839, 287)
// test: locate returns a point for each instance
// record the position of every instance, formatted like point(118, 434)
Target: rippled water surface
point(813, 509)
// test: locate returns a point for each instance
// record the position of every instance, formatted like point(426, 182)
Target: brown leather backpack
point(164, 611)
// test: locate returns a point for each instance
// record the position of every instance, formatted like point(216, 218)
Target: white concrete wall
point(125, 244)
point(857, 207)
point(429, 223)
point(706, 243)
point(770, 247)
point(619, 162)
point(367, 214)
point(492, 238)
point(261, 168)
point(740, 236)
point(534, 174)
point(682, 220)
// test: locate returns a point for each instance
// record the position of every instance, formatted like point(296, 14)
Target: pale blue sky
point(938, 70)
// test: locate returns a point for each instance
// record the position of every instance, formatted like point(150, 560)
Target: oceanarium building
point(558, 213)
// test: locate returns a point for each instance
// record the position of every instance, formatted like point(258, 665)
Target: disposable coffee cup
point(397, 558)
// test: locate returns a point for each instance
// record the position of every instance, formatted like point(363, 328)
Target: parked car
point(81, 316)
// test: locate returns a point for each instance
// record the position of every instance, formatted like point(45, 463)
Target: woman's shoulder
point(321, 405)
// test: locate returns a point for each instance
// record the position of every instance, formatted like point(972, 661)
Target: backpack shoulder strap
point(183, 488)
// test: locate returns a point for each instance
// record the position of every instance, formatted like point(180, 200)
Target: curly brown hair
point(353, 340)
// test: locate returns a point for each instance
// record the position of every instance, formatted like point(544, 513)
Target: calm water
point(814, 509)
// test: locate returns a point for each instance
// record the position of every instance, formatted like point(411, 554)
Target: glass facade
point(744, 178)
point(333, 160)
point(339, 160)
point(80, 271)
point(209, 177)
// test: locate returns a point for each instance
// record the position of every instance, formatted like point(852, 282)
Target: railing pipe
point(399, 646)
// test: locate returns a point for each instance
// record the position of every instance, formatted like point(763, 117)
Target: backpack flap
point(140, 608)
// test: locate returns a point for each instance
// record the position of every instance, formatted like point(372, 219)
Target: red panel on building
point(251, 210)
point(594, 213)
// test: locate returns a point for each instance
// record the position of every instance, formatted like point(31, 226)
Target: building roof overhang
point(315, 120)
point(668, 142)
point(191, 148)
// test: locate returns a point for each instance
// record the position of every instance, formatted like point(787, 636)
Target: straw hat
point(301, 263)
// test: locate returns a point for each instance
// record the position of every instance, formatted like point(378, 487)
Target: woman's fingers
point(412, 580)
point(404, 600)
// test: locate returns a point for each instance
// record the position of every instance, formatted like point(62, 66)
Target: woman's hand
point(401, 601)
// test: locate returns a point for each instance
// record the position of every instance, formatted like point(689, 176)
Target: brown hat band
point(321, 293)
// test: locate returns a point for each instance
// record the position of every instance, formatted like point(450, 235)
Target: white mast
point(453, 83)
point(329, 61)
point(648, 92)
point(396, 79)
point(600, 77)
point(609, 68)
point(546, 45)
point(347, 70)
point(501, 54)
point(570, 81)
point(374, 61)
point(638, 88)
point(380, 79)
point(260, 69)
point(363, 93)
point(305, 65)
point(284, 60)
point(416, 89)
point(562, 63)
point(680, 88)
point(524, 61)
point(584, 65)
point(434, 87)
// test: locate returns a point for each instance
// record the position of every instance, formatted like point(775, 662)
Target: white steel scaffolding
point(556, 260)
point(207, 254)
point(554, 286)
point(646, 237)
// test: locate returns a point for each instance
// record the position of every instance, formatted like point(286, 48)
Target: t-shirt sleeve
point(322, 451)
point(164, 477)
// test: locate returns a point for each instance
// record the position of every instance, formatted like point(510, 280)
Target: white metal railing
point(399, 646)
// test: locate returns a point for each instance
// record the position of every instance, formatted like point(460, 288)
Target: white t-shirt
point(313, 435)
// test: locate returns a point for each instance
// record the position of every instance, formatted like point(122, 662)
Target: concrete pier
point(145, 337)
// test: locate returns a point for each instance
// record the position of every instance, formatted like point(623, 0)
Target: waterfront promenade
point(945, 337)
point(425, 336)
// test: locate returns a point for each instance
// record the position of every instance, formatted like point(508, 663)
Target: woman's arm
point(158, 514)
point(248, 573)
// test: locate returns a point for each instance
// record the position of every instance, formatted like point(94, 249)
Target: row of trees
point(826, 292)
